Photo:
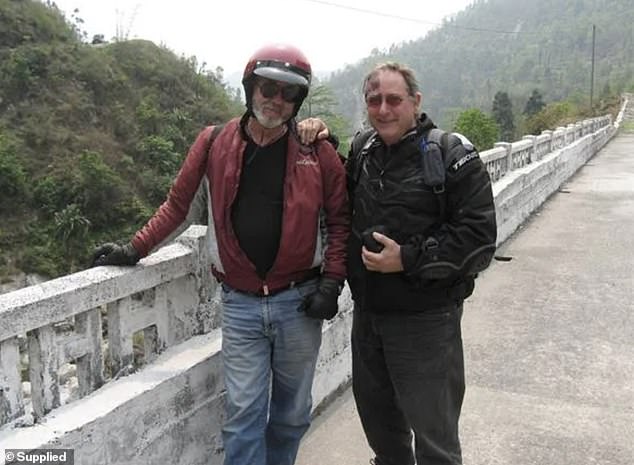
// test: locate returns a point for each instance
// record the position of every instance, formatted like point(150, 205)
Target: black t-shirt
point(257, 211)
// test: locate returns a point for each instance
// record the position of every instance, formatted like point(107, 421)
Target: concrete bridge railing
point(506, 157)
point(123, 365)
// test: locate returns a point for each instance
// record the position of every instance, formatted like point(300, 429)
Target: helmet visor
point(281, 72)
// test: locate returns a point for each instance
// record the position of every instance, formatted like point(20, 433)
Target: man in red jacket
point(271, 199)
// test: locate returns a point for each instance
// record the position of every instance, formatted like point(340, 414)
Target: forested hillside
point(90, 135)
point(511, 46)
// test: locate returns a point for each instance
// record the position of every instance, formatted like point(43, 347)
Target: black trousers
point(408, 377)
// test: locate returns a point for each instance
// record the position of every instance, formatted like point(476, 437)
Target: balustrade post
point(206, 317)
point(571, 135)
point(562, 139)
point(587, 127)
point(90, 366)
point(532, 155)
point(161, 334)
point(509, 155)
point(550, 139)
point(11, 399)
point(43, 370)
point(119, 337)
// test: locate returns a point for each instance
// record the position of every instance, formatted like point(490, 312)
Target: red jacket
point(314, 184)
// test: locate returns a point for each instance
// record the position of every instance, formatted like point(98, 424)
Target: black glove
point(115, 254)
point(322, 304)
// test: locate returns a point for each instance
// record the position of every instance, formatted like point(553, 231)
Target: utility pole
point(594, 30)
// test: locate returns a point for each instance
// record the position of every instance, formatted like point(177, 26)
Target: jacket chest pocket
point(410, 195)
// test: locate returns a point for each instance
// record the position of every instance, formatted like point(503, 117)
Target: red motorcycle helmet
point(279, 62)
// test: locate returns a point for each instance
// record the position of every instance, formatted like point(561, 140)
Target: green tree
point(319, 102)
point(479, 128)
point(534, 104)
point(503, 115)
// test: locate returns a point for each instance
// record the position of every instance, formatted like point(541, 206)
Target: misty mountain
point(513, 46)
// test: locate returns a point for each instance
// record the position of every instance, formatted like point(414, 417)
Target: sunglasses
point(376, 100)
point(270, 89)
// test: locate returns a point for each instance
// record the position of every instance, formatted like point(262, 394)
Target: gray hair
point(403, 70)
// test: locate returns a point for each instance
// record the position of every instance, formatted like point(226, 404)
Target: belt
point(266, 291)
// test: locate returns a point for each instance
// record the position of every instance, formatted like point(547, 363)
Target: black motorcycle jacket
point(447, 233)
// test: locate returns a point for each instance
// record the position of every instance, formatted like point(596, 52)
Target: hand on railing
point(115, 254)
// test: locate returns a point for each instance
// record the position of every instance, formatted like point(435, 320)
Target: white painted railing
point(506, 157)
point(161, 303)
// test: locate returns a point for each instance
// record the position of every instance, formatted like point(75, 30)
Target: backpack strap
point(442, 195)
point(198, 209)
point(359, 150)
point(360, 139)
point(435, 150)
point(444, 145)
point(212, 137)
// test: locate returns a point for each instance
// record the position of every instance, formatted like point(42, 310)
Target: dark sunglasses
point(270, 89)
point(376, 100)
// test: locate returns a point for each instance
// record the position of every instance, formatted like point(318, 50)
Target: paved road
point(549, 337)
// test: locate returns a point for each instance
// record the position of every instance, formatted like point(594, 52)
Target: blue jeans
point(269, 353)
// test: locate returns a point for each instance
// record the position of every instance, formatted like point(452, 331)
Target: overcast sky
point(226, 32)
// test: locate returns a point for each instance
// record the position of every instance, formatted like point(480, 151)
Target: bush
point(98, 190)
point(50, 194)
point(159, 154)
point(155, 187)
point(136, 212)
point(553, 115)
point(71, 227)
point(12, 176)
point(46, 260)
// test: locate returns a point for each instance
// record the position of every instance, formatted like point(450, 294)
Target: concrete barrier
point(520, 192)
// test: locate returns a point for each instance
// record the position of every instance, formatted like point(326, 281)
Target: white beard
point(265, 121)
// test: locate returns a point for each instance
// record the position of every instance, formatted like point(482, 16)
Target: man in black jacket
point(423, 226)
